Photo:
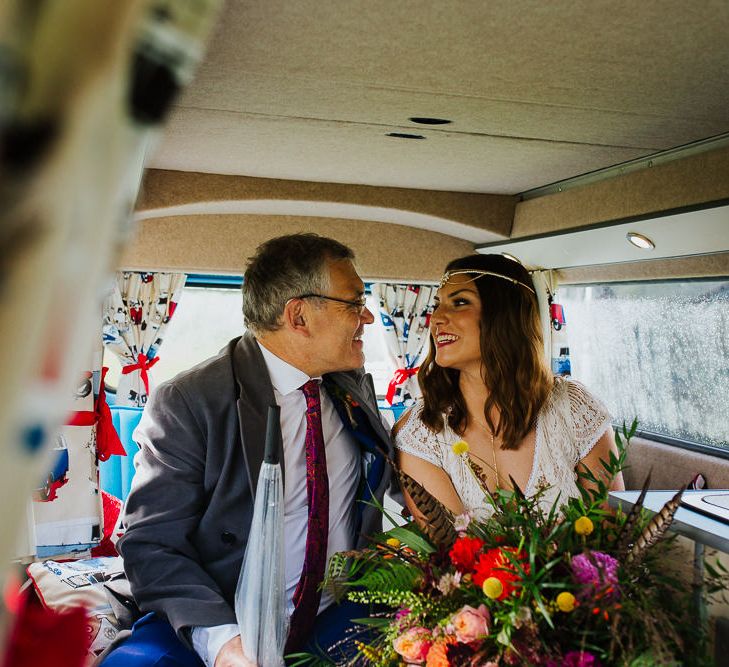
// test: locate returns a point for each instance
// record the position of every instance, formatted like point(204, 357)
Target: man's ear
point(295, 316)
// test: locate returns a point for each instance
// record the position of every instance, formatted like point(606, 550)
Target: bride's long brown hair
point(512, 356)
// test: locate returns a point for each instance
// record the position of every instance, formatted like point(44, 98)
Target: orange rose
point(438, 653)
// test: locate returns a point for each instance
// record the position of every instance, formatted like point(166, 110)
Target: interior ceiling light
point(640, 241)
point(404, 135)
point(424, 120)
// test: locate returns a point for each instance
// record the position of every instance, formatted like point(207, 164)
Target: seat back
point(671, 467)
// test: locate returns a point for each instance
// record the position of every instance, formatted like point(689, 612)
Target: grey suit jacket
point(190, 507)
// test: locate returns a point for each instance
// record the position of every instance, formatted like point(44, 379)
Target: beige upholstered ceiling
point(537, 91)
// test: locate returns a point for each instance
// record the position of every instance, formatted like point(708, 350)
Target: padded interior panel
point(690, 181)
point(670, 467)
point(699, 266)
point(223, 243)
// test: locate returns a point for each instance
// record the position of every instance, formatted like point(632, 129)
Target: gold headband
point(479, 274)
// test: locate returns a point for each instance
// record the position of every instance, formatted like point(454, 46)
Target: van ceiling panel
point(338, 152)
point(536, 91)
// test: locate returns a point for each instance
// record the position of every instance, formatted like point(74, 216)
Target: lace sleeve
point(415, 438)
point(590, 417)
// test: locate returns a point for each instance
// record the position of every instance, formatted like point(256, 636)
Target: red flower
point(463, 552)
point(494, 563)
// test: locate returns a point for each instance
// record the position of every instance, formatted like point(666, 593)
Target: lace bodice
point(569, 424)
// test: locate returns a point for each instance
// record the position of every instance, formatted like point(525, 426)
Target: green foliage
point(388, 576)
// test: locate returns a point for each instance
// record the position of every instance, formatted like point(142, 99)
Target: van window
point(658, 351)
point(208, 317)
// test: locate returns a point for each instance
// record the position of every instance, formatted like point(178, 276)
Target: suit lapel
point(255, 394)
point(367, 432)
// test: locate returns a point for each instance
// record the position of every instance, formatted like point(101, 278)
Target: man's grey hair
point(282, 269)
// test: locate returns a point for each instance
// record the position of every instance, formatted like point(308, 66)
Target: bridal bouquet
point(578, 586)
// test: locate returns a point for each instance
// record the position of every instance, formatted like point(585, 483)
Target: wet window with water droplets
point(658, 351)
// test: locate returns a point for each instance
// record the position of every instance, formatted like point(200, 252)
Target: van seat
point(671, 467)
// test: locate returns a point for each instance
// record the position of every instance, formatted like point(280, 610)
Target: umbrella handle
point(273, 435)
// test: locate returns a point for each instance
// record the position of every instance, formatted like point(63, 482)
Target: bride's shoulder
point(582, 401)
point(409, 420)
point(412, 436)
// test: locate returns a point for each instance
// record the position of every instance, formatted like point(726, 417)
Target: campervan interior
point(417, 132)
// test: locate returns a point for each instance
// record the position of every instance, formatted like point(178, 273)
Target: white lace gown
point(569, 424)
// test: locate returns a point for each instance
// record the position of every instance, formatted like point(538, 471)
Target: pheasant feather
point(438, 524)
point(479, 474)
point(655, 529)
point(626, 534)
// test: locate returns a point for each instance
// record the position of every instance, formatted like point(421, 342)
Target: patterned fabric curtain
point(136, 314)
point(405, 312)
point(554, 323)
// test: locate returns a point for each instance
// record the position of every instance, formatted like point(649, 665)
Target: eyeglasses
point(358, 305)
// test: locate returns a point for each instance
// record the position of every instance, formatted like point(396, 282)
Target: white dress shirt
point(343, 468)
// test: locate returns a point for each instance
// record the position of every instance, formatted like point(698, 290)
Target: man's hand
point(231, 655)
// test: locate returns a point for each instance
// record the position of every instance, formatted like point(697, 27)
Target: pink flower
point(414, 645)
point(461, 521)
point(470, 624)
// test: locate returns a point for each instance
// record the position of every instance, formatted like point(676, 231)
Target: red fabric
point(43, 637)
point(400, 375)
point(107, 439)
point(143, 365)
point(53, 488)
point(111, 508)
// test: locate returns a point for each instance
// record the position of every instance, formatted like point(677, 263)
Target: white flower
point(449, 582)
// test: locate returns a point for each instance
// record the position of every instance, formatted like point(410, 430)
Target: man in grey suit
point(201, 447)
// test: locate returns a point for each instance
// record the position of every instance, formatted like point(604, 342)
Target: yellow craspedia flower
point(492, 588)
point(460, 447)
point(393, 542)
point(584, 525)
point(566, 601)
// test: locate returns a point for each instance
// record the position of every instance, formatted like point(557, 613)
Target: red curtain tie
point(400, 376)
point(143, 365)
point(107, 439)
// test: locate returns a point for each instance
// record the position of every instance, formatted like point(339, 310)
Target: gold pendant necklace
point(493, 450)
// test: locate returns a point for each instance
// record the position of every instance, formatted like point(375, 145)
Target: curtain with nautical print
point(405, 313)
point(136, 314)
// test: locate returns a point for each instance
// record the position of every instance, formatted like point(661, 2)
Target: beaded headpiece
point(479, 274)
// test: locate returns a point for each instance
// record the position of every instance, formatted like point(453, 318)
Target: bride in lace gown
point(485, 382)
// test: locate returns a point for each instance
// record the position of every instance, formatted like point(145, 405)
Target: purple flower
point(596, 571)
point(580, 658)
point(402, 613)
point(575, 659)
